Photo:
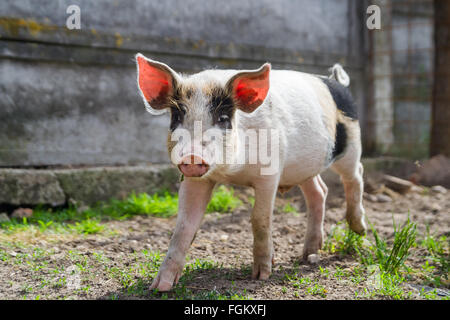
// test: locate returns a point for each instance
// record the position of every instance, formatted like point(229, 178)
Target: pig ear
point(249, 88)
point(156, 82)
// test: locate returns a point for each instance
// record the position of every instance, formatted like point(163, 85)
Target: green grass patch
point(223, 200)
point(289, 208)
point(386, 285)
point(306, 285)
point(89, 221)
point(158, 205)
point(343, 240)
point(135, 280)
point(382, 260)
point(87, 226)
point(436, 267)
point(390, 259)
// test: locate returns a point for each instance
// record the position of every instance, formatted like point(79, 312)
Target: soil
point(225, 239)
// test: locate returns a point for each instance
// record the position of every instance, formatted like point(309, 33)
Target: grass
point(87, 226)
point(289, 208)
point(159, 205)
point(383, 269)
point(383, 265)
point(343, 240)
point(438, 250)
point(89, 221)
point(385, 285)
point(390, 260)
point(223, 200)
point(136, 279)
point(305, 285)
point(76, 273)
point(437, 261)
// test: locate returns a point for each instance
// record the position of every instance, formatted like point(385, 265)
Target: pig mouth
point(193, 170)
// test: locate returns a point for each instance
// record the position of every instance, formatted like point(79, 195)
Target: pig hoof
point(358, 226)
point(309, 251)
point(313, 258)
point(262, 271)
point(312, 246)
point(161, 286)
point(260, 274)
point(164, 284)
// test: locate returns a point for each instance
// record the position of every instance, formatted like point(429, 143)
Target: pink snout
point(193, 166)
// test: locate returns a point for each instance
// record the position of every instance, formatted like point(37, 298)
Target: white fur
point(292, 107)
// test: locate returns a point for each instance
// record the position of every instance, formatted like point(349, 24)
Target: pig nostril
point(193, 160)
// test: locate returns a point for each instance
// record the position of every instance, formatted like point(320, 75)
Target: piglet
point(266, 129)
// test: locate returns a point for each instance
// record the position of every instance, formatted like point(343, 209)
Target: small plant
point(44, 225)
point(87, 226)
point(223, 200)
point(289, 208)
point(324, 272)
point(436, 267)
point(391, 286)
point(438, 250)
point(317, 289)
point(388, 259)
point(311, 286)
point(343, 240)
point(156, 205)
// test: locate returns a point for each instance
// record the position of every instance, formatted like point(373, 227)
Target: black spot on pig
point(342, 97)
point(177, 110)
point(340, 142)
point(222, 108)
point(177, 116)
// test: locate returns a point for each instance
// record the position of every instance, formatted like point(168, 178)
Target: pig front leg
point(193, 197)
point(261, 219)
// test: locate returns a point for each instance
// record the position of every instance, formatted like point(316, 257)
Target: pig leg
point(351, 171)
point(261, 220)
point(315, 192)
point(194, 196)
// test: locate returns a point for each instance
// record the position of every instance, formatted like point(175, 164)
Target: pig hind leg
point(350, 170)
point(315, 192)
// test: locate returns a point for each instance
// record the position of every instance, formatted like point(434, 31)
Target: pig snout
point(193, 166)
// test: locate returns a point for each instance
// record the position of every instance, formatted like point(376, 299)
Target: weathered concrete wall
point(412, 60)
point(381, 109)
point(402, 52)
point(69, 96)
point(84, 185)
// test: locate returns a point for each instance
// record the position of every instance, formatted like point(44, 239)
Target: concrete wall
point(70, 97)
point(413, 74)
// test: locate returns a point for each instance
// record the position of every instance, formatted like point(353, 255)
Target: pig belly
point(298, 171)
point(296, 174)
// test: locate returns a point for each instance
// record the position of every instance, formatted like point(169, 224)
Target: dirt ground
point(42, 266)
